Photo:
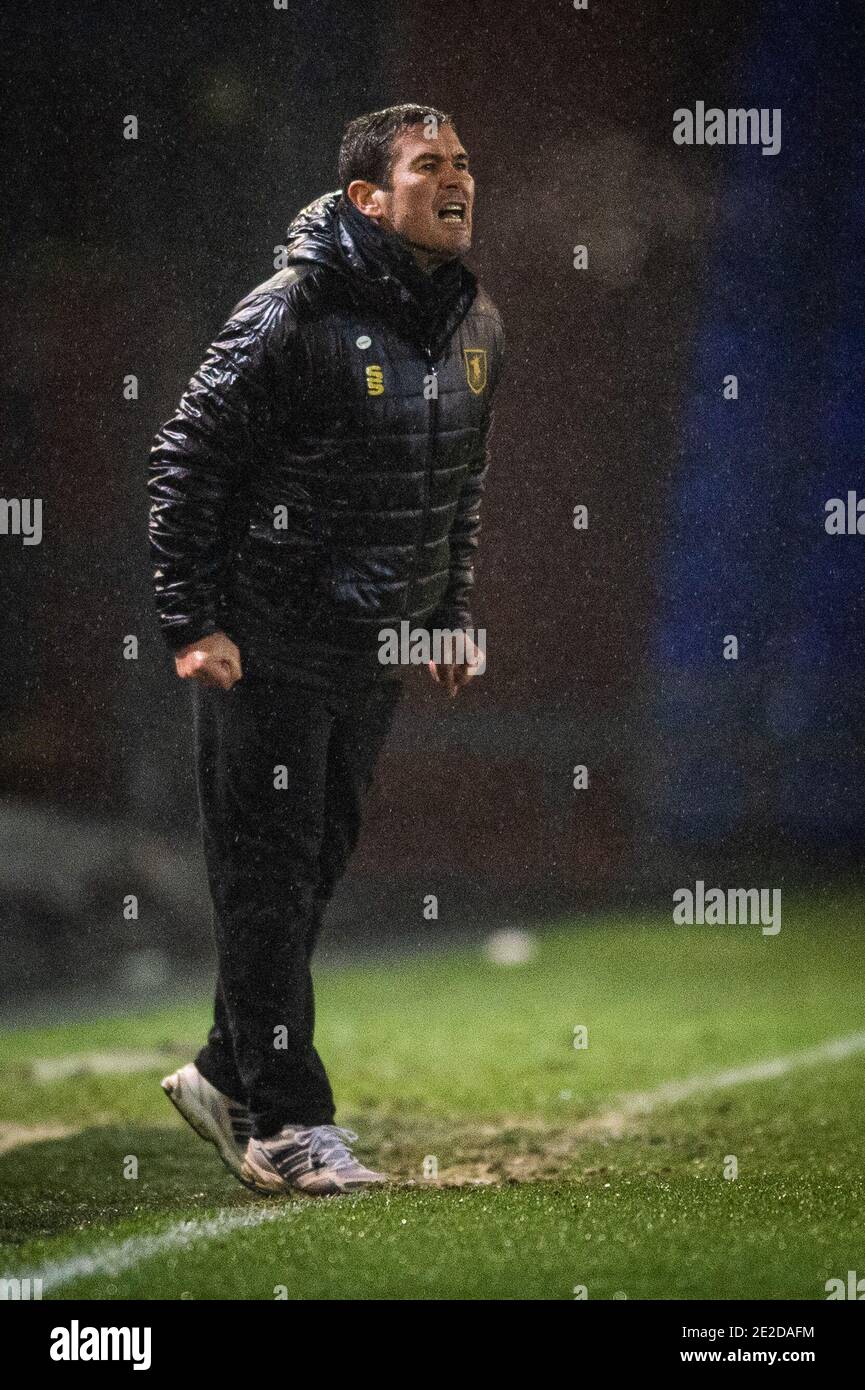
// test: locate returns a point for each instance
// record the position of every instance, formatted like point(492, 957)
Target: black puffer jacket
point(313, 486)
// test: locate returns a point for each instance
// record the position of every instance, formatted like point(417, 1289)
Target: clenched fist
point(213, 660)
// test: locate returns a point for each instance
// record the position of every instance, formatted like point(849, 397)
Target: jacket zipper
point(433, 422)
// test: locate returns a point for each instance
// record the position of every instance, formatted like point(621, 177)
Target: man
point(320, 481)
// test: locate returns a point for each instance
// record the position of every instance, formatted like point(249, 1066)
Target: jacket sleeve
point(454, 610)
point(199, 468)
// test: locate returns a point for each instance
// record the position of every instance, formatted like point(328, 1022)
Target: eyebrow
point(430, 154)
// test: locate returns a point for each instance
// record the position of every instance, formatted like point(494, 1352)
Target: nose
point(457, 180)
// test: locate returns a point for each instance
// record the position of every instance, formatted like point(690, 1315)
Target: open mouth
point(452, 212)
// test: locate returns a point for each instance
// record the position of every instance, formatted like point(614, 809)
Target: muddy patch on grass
point(17, 1136)
point(436, 1153)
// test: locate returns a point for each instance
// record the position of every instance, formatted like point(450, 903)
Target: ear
point(367, 198)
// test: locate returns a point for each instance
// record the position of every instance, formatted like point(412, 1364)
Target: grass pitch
point(548, 1181)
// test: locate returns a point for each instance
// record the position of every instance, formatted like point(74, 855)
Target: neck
point(427, 260)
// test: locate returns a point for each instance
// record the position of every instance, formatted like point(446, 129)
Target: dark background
point(604, 646)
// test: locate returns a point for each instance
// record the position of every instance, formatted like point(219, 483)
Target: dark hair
point(366, 151)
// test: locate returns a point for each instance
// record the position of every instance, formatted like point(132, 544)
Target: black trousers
point(282, 772)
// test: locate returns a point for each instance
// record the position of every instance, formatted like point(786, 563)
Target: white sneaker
point(214, 1117)
point(315, 1160)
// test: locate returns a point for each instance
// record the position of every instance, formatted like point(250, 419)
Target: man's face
point(429, 177)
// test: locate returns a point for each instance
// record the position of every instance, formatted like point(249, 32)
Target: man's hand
point(213, 660)
point(453, 675)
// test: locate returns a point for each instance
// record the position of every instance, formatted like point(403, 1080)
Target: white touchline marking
point(112, 1260)
point(115, 1259)
point(613, 1120)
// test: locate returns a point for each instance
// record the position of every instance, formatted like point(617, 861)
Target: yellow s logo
point(374, 380)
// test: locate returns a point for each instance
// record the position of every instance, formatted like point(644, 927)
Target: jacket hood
point(311, 234)
point(381, 270)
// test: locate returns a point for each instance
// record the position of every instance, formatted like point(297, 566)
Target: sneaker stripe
point(289, 1165)
point(314, 1161)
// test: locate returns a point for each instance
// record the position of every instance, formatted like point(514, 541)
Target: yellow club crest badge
point(476, 368)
